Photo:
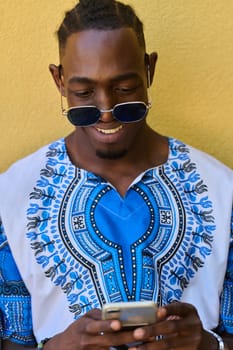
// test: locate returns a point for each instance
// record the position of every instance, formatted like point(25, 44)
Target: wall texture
point(192, 92)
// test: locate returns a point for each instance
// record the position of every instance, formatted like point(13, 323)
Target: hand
point(90, 332)
point(181, 328)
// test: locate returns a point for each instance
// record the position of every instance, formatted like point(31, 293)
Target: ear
point(56, 72)
point(150, 61)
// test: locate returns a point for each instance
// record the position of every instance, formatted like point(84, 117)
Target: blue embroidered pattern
point(98, 246)
point(15, 301)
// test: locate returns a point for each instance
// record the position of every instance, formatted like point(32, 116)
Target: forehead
point(95, 51)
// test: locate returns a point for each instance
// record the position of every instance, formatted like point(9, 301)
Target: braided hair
point(100, 15)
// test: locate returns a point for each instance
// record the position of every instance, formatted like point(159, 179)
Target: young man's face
point(105, 68)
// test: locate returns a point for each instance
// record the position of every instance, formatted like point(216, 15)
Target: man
point(115, 211)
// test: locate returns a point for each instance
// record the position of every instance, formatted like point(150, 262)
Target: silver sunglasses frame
point(148, 105)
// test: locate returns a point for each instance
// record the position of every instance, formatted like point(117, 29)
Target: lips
point(110, 131)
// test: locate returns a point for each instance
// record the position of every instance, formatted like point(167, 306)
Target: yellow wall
point(192, 92)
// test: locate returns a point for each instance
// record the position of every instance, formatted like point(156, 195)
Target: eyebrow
point(118, 78)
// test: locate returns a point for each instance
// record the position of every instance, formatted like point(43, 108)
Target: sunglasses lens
point(130, 112)
point(83, 116)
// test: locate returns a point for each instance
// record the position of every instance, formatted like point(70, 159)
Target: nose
point(106, 115)
point(105, 102)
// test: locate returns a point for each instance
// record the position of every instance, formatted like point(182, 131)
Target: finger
point(116, 339)
point(180, 309)
point(181, 342)
point(166, 327)
point(169, 342)
point(182, 319)
point(103, 326)
point(94, 314)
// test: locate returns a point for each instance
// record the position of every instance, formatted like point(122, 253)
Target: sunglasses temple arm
point(149, 86)
point(63, 110)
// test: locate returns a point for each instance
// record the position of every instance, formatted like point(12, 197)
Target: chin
point(111, 154)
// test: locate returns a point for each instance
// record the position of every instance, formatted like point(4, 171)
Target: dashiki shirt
point(78, 244)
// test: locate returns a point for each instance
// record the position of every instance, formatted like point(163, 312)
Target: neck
point(150, 150)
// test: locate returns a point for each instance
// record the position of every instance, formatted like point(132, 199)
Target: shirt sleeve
point(15, 301)
point(226, 315)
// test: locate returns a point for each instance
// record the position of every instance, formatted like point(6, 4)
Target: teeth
point(110, 131)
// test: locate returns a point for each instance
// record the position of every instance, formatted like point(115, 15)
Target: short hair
point(100, 15)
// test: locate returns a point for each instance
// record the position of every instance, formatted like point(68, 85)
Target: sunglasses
point(127, 112)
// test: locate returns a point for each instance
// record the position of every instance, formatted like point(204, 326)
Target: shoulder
point(207, 165)
point(34, 160)
point(26, 169)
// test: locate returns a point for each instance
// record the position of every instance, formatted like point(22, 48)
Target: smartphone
point(131, 314)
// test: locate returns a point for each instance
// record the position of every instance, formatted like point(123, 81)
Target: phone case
point(131, 314)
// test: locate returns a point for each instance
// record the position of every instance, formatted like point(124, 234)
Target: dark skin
point(95, 72)
point(108, 78)
point(185, 332)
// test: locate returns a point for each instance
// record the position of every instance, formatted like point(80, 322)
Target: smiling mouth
point(110, 131)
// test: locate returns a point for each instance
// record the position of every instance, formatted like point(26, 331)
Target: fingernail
point(138, 333)
point(115, 325)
